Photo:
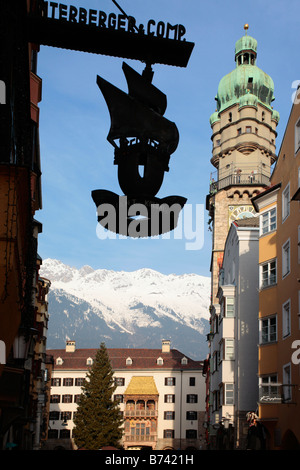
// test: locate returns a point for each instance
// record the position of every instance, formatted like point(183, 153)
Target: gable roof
point(141, 386)
point(142, 359)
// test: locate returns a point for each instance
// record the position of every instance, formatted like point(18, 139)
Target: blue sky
point(74, 122)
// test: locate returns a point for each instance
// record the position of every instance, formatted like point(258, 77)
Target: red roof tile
point(141, 359)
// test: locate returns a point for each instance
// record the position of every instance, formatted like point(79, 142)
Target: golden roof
point(141, 386)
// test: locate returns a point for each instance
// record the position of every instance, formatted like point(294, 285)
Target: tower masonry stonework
point(243, 146)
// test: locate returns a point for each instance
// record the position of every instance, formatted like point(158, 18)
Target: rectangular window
point(192, 381)
point(269, 390)
point(169, 433)
point(286, 319)
point(170, 381)
point(55, 382)
point(268, 221)
point(55, 399)
point(286, 202)
point(77, 398)
point(191, 415)
point(68, 382)
point(64, 433)
point(268, 274)
point(119, 381)
point(66, 415)
point(191, 434)
point(268, 329)
point(248, 129)
point(229, 349)
point(67, 398)
point(169, 415)
point(54, 416)
point(216, 360)
point(169, 398)
point(216, 400)
point(192, 398)
point(286, 259)
point(229, 307)
point(228, 396)
point(119, 398)
point(79, 381)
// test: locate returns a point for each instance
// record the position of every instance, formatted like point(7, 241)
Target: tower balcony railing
point(239, 177)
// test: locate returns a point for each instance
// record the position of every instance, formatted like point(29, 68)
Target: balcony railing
point(140, 413)
point(235, 177)
point(141, 438)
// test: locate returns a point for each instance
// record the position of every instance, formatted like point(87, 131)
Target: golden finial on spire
point(246, 26)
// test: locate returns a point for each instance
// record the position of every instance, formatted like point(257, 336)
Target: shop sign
point(111, 21)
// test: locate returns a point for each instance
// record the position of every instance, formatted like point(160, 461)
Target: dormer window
point(128, 361)
point(89, 361)
point(160, 361)
point(184, 361)
point(59, 361)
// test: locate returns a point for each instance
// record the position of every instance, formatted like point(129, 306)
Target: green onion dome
point(247, 83)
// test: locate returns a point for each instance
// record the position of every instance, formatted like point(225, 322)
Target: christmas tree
point(97, 420)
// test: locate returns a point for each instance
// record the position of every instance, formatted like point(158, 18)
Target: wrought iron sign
point(101, 19)
point(142, 138)
point(78, 28)
point(139, 132)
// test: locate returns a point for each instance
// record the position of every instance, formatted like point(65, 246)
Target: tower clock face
point(240, 212)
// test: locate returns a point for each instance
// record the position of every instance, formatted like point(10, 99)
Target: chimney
point(70, 346)
point(165, 346)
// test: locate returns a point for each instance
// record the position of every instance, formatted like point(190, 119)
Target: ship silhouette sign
point(143, 141)
point(140, 134)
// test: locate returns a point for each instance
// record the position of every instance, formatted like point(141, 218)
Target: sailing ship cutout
point(142, 139)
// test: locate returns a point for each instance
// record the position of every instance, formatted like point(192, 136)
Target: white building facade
point(234, 337)
point(161, 394)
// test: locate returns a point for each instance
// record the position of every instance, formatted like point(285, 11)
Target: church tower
point(243, 146)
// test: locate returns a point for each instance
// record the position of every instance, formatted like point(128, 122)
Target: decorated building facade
point(161, 394)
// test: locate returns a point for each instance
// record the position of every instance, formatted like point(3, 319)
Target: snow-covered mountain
point(127, 309)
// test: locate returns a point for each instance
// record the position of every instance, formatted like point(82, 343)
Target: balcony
point(142, 438)
point(235, 176)
point(140, 413)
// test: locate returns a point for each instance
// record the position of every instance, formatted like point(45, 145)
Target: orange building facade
point(279, 294)
point(20, 198)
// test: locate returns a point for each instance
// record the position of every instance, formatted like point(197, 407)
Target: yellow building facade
point(279, 294)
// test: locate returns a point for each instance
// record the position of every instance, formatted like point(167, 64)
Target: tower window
point(248, 129)
point(246, 58)
point(239, 131)
point(250, 84)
